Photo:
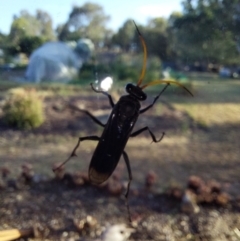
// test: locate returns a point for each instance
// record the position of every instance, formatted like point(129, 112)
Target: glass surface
point(185, 187)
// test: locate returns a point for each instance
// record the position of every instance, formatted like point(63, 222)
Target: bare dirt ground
point(188, 148)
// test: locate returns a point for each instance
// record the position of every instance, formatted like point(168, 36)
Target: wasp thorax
point(136, 92)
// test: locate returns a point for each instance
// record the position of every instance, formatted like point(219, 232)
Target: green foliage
point(12, 50)
point(156, 37)
point(124, 72)
point(46, 31)
point(24, 110)
point(26, 44)
point(86, 73)
point(3, 39)
point(31, 25)
point(28, 32)
point(87, 21)
point(29, 43)
point(90, 69)
point(125, 67)
point(128, 67)
point(125, 35)
point(208, 31)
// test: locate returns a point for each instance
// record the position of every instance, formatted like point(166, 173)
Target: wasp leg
point(90, 138)
point(105, 93)
point(87, 113)
point(146, 128)
point(126, 159)
point(154, 101)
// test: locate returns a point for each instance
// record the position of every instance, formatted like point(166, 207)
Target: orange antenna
point(144, 56)
point(155, 82)
point(169, 82)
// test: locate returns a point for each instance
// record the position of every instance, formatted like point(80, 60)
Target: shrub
point(24, 109)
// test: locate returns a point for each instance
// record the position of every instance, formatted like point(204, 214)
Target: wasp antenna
point(138, 31)
point(144, 55)
point(169, 82)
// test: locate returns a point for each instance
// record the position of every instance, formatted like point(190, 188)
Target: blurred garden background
point(198, 46)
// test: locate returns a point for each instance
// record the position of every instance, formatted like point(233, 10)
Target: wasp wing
point(113, 140)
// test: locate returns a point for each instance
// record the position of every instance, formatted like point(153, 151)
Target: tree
point(156, 36)
point(125, 35)
point(87, 21)
point(29, 32)
point(29, 25)
point(3, 40)
point(208, 31)
point(29, 43)
point(45, 25)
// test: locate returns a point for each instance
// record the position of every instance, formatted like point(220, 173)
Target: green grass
point(212, 114)
point(215, 100)
point(46, 89)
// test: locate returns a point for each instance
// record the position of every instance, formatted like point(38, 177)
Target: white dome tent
point(57, 61)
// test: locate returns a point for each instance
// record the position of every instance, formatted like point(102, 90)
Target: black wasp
point(119, 126)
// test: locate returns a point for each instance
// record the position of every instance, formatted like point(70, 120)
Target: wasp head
point(136, 92)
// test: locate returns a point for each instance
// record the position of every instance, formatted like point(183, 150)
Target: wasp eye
point(128, 88)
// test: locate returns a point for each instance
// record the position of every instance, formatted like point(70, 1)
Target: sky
point(119, 11)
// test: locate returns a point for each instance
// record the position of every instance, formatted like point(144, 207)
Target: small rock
point(150, 179)
point(40, 232)
point(2, 184)
point(189, 204)
point(214, 186)
point(175, 192)
point(5, 172)
point(114, 187)
point(222, 199)
point(86, 225)
point(27, 173)
point(78, 178)
point(195, 183)
point(205, 195)
point(117, 232)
